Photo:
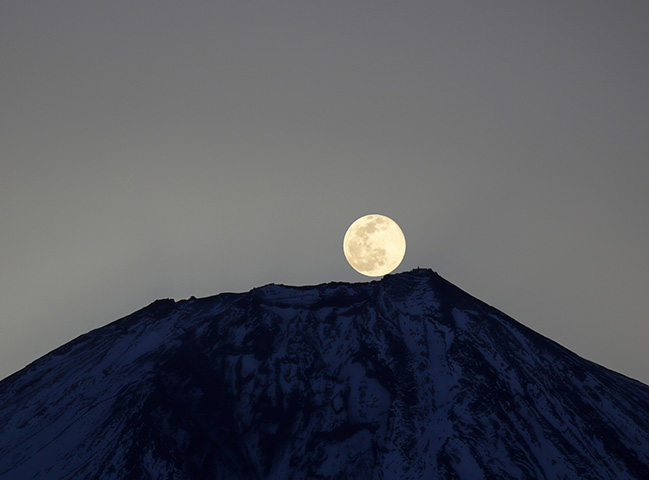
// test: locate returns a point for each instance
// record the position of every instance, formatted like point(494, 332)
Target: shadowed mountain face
point(405, 378)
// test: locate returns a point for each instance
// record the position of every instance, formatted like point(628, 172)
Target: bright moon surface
point(374, 245)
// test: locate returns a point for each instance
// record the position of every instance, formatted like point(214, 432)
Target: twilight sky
point(155, 149)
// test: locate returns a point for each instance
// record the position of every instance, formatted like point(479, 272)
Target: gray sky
point(157, 149)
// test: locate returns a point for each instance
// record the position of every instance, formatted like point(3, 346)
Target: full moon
point(374, 245)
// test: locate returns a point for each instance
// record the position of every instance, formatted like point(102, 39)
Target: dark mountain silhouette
point(404, 378)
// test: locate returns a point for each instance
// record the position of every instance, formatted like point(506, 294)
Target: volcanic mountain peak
point(408, 377)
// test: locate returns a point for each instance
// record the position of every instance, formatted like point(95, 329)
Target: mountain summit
point(408, 377)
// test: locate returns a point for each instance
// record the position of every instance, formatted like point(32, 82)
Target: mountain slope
point(405, 378)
